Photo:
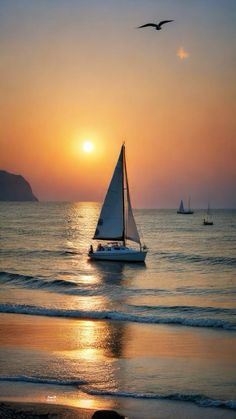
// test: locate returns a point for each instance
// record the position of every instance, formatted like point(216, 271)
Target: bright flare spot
point(182, 54)
point(88, 147)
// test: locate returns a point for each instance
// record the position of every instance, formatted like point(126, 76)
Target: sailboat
point(116, 222)
point(207, 221)
point(182, 210)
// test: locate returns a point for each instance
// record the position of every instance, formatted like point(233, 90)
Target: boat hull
point(119, 256)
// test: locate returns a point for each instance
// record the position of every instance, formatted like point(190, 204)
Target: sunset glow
point(88, 86)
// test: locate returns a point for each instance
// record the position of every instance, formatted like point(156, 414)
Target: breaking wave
point(119, 316)
point(199, 399)
point(188, 309)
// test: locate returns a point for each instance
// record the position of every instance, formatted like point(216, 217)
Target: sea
point(153, 340)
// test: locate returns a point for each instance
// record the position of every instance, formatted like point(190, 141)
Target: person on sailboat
point(91, 249)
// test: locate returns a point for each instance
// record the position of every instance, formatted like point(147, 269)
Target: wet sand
point(17, 410)
point(37, 346)
point(12, 410)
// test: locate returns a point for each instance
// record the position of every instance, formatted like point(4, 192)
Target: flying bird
point(157, 26)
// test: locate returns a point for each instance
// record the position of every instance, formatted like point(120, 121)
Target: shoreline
point(164, 410)
point(35, 345)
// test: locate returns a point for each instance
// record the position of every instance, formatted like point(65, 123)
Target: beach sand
point(38, 346)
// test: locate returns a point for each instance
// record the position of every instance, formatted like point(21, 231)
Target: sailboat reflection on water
point(116, 222)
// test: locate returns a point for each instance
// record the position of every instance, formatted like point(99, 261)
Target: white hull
point(120, 255)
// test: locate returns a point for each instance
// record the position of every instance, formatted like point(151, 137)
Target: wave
point(53, 285)
point(72, 288)
point(37, 252)
point(42, 380)
point(34, 282)
point(119, 316)
point(63, 286)
point(187, 309)
point(209, 260)
point(206, 291)
point(199, 399)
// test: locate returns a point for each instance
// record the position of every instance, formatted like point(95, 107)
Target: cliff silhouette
point(15, 188)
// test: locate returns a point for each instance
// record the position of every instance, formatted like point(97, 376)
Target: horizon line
point(100, 203)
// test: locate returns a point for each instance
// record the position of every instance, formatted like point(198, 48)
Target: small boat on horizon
point(116, 222)
point(182, 210)
point(207, 221)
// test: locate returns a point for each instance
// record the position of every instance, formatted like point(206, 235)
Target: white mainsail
point(181, 207)
point(110, 224)
point(116, 220)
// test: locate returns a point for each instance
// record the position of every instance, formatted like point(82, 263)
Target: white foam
point(113, 315)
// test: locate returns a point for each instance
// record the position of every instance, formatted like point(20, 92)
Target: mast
point(130, 227)
point(123, 192)
point(208, 211)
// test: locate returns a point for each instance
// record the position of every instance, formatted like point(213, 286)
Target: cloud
point(182, 54)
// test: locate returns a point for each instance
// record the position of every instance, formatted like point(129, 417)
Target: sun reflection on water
point(89, 279)
point(91, 402)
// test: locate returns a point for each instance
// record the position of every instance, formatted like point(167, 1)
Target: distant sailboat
point(207, 221)
point(116, 221)
point(182, 210)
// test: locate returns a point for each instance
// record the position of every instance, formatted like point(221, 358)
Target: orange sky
point(74, 70)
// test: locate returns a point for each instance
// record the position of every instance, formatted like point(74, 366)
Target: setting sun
point(88, 147)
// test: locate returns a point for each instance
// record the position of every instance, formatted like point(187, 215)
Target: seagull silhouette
point(157, 26)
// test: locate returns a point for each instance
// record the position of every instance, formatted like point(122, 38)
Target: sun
point(88, 147)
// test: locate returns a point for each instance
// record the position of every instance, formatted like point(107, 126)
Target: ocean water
point(155, 337)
